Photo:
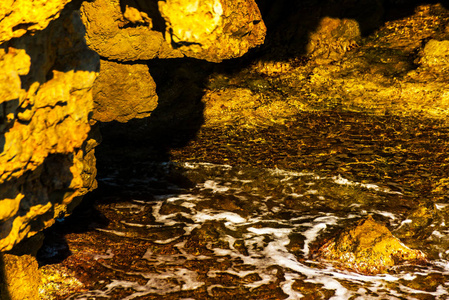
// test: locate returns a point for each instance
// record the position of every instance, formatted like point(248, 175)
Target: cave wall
point(46, 146)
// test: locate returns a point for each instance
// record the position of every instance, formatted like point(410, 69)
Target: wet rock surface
point(368, 248)
point(399, 69)
point(249, 224)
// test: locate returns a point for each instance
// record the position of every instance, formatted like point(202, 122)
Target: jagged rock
point(368, 248)
point(19, 16)
point(123, 92)
point(118, 35)
point(46, 152)
point(213, 29)
point(209, 30)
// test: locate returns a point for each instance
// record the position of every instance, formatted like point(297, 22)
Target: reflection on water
point(247, 233)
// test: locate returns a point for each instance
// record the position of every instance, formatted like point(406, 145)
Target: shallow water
point(245, 233)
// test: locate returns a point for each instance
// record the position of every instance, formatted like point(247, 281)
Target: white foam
point(266, 237)
point(108, 255)
point(438, 234)
point(115, 232)
point(208, 215)
point(198, 165)
point(215, 187)
point(317, 226)
point(280, 172)
point(385, 214)
point(343, 181)
point(441, 206)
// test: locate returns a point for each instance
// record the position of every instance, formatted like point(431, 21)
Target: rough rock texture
point(400, 69)
point(22, 280)
point(368, 248)
point(114, 37)
point(19, 16)
point(298, 27)
point(213, 29)
point(123, 92)
point(46, 155)
point(435, 54)
point(137, 30)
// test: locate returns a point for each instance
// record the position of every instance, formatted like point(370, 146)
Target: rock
point(435, 54)
point(368, 248)
point(22, 279)
point(332, 38)
point(19, 274)
point(123, 36)
point(213, 29)
point(209, 30)
point(123, 92)
point(17, 17)
point(46, 150)
point(417, 224)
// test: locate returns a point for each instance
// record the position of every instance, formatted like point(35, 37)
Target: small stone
point(368, 248)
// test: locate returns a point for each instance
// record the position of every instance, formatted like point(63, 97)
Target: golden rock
point(123, 92)
point(213, 30)
point(19, 16)
point(368, 248)
point(45, 90)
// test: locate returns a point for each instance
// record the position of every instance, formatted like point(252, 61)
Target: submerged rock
point(368, 248)
point(332, 39)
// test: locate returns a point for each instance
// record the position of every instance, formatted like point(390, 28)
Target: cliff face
point(46, 154)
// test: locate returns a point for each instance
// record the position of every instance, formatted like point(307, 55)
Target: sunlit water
point(245, 231)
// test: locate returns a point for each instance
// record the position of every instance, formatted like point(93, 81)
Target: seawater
point(264, 223)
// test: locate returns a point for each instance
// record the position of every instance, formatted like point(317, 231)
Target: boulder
point(212, 30)
point(123, 92)
point(368, 248)
point(117, 35)
point(23, 279)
